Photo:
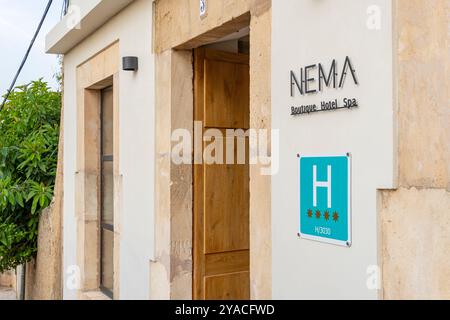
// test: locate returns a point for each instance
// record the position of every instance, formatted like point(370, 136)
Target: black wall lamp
point(130, 63)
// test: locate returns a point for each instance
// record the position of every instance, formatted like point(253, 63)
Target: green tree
point(29, 133)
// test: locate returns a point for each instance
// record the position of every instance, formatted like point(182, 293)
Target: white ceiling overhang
point(92, 15)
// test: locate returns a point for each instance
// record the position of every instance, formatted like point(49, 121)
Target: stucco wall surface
point(416, 238)
point(415, 219)
point(7, 279)
point(423, 80)
point(132, 28)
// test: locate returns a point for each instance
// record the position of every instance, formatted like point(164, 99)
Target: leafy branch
point(29, 134)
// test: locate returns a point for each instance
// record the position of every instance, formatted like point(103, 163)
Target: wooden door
point(221, 191)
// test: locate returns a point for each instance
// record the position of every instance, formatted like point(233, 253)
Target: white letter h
point(322, 184)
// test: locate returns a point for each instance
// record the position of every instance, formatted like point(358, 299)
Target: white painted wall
point(133, 28)
point(84, 5)
point(308, 32)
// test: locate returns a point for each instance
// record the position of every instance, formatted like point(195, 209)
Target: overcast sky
point(18, 22)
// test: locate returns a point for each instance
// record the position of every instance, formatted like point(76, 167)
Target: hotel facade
point(250, 149)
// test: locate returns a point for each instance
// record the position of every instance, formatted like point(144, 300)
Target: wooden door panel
point(226, 208)
point(227, 262)
point(223, 107)
point(221, 191)
point(231, 286)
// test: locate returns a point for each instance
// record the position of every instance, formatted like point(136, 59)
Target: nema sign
point(325, 205)
point(326, 78)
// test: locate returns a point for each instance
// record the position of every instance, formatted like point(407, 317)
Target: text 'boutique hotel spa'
point(251, 149)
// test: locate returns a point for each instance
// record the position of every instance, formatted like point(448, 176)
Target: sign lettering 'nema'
point(315, 78)
point(309, 74)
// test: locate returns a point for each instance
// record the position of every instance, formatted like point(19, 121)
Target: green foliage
point(29, 133)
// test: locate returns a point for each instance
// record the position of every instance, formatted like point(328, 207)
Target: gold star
point(335, 216)
point(327, 215)
point(309, 213)
point(318, 214)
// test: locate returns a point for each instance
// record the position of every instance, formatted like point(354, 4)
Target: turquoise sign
point(325, 205)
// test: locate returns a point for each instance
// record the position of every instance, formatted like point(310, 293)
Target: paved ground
point(7, 294)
